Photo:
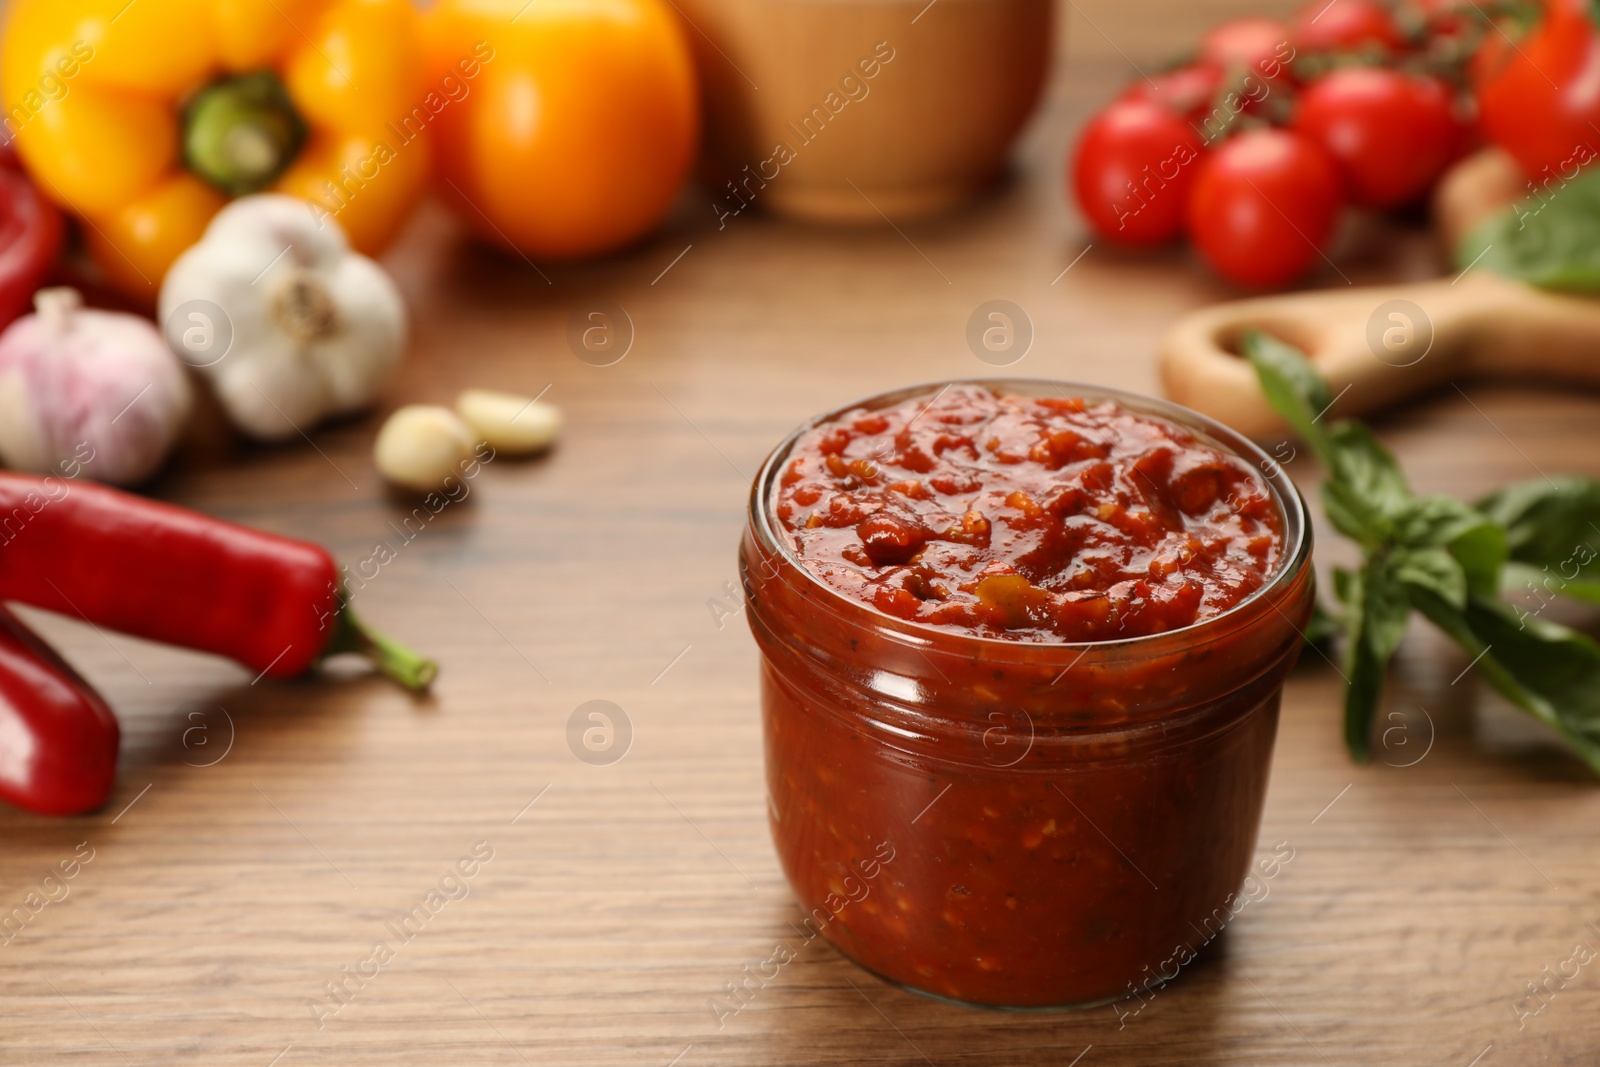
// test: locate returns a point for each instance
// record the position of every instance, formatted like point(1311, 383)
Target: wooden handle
point(1378, 345)
point(1475, 188)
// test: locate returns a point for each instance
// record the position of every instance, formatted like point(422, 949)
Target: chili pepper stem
point(392, 659)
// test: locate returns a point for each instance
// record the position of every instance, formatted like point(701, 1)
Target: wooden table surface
point(263, 838)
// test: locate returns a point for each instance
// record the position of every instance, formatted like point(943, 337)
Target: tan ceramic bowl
point(850, 110)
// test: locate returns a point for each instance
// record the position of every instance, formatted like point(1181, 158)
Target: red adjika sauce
point(1030, 518)
point(1032, 646)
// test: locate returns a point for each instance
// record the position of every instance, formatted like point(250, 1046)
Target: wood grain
point(221, 899)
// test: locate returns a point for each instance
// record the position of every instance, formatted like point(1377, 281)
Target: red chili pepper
point(58, 740)
point(30, 238)
point(168, 574)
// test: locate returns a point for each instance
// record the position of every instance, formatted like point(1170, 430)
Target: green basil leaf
point(1366, 492)
point(1433, 569)
point(1435, 519)
point(1552, 241)
point(1540, 583)
point(1292, 386)
point(1477, 542)
point(1547, 518)
point(1363, 689)
point(1343, 581)
point(1553, 527)
point(1366, 488)
point(1549, 671)
point(1379, 609)
point(1361, 462)
point(1481, 551)
point(1385, 609)
point(1351, 515)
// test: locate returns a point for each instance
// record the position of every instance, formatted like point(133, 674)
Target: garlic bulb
point(290, 325)
point(98, 389)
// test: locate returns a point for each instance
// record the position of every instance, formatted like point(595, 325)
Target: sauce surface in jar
point(1028, 518)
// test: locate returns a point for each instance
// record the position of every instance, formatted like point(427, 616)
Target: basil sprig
point(1450, 561)
point(1551, 526)
point(1550, 239)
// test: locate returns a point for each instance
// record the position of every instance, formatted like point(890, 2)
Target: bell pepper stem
point(392, 659)
point(241, 132)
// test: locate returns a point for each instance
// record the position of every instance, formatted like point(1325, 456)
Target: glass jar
point(1010, 823)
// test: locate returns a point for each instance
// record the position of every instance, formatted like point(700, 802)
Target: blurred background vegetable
point(1144, 145)
point(176, 105)
point(1347, 26)
point(1377, 88)
point(579, 127)
point(1263, 206)
point(98, 388)
point(1251, 44)
point(1391, 133)
point(293, 327)
point(1549, 241)
point(1539, 98)
point(30, 238)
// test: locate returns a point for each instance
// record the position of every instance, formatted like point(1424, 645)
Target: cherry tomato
point(1187, 91)
point(1450, 18)
point(1261, 45)
point(1392, 134)
point(1264, 203)
point(1489, 59)
point(1135, 164)
point(1543, 105)
point(1344, 26)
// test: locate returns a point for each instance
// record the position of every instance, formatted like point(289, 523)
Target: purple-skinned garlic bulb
point(89, 390)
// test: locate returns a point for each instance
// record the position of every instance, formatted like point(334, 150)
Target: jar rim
point(1291, 507)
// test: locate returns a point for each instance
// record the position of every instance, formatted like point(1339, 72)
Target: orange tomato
point(561, 128)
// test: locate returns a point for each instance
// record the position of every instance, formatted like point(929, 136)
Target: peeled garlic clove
point(515, 425)
point(421, 445)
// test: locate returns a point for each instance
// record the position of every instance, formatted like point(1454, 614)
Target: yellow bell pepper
point(142, 118)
